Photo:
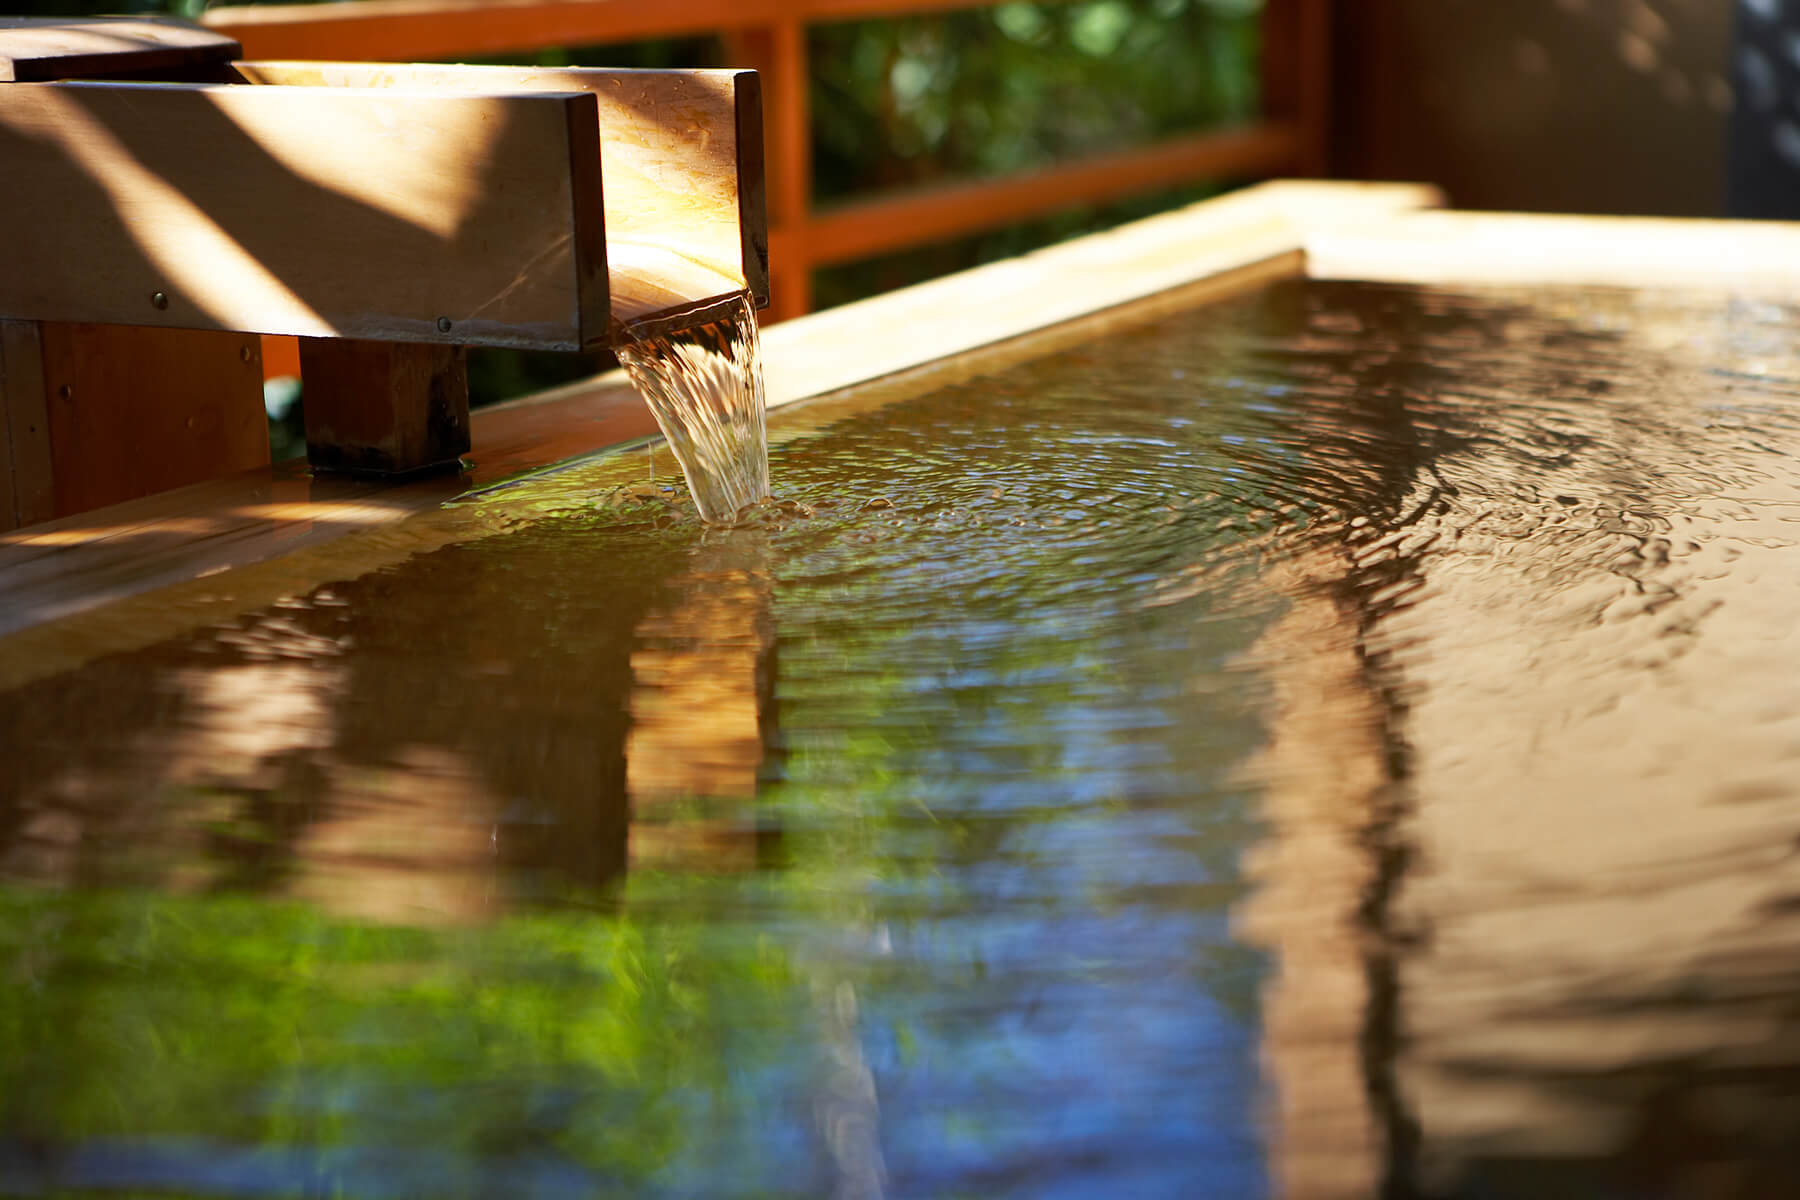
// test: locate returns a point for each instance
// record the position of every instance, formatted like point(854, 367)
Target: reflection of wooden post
point(1324, 772)
point(700, 688)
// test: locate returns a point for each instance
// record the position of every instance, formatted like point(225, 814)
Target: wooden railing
point(1288, 136)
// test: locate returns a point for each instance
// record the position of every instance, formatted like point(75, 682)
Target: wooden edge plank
point(1138, 272)
point(25, 408)
point(865, 228)
point(1470, 248)
point(397, 215)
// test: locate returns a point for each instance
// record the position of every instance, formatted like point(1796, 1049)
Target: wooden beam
point(40, 48)
point(912, 218)
point(391, 215)
point(680, 152)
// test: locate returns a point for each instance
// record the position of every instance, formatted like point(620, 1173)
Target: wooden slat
point(680, 151)
point(387, 214)
point(24, 408)
point(40, 48)
point(134, 411)
point(873, 226)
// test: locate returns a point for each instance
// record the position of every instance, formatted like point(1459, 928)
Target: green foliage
point(1003, 89)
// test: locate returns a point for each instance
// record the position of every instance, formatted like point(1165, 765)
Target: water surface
point(1334, 742)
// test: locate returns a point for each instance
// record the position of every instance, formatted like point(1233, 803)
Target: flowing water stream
point(1340, 741)
point(700, 370)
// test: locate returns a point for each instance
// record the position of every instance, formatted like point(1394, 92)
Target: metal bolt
point(443, 324)
point(159, 300)
point(244, 353)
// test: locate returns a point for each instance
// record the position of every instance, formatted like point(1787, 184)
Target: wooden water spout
point(166, 202)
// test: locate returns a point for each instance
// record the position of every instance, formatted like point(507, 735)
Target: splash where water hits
point(700, 370)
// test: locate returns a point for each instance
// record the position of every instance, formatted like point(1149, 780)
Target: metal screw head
point(244, 353)
point(159, 300)
point(443, 324)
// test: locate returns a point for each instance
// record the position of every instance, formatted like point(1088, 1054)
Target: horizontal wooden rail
point(893, 222)
point(770, 35)
point(400, 29)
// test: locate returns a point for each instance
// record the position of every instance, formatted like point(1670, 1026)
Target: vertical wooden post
point(384, 408)
point(778, 54)
point(1296, 75)
point(24, 427)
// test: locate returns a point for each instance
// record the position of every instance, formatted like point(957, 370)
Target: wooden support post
point(384, 408)
point(778, 54)
point(1296, 75)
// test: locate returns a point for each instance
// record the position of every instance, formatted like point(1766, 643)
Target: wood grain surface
point(383, 214)
point(40, 48)
point(680, 151)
